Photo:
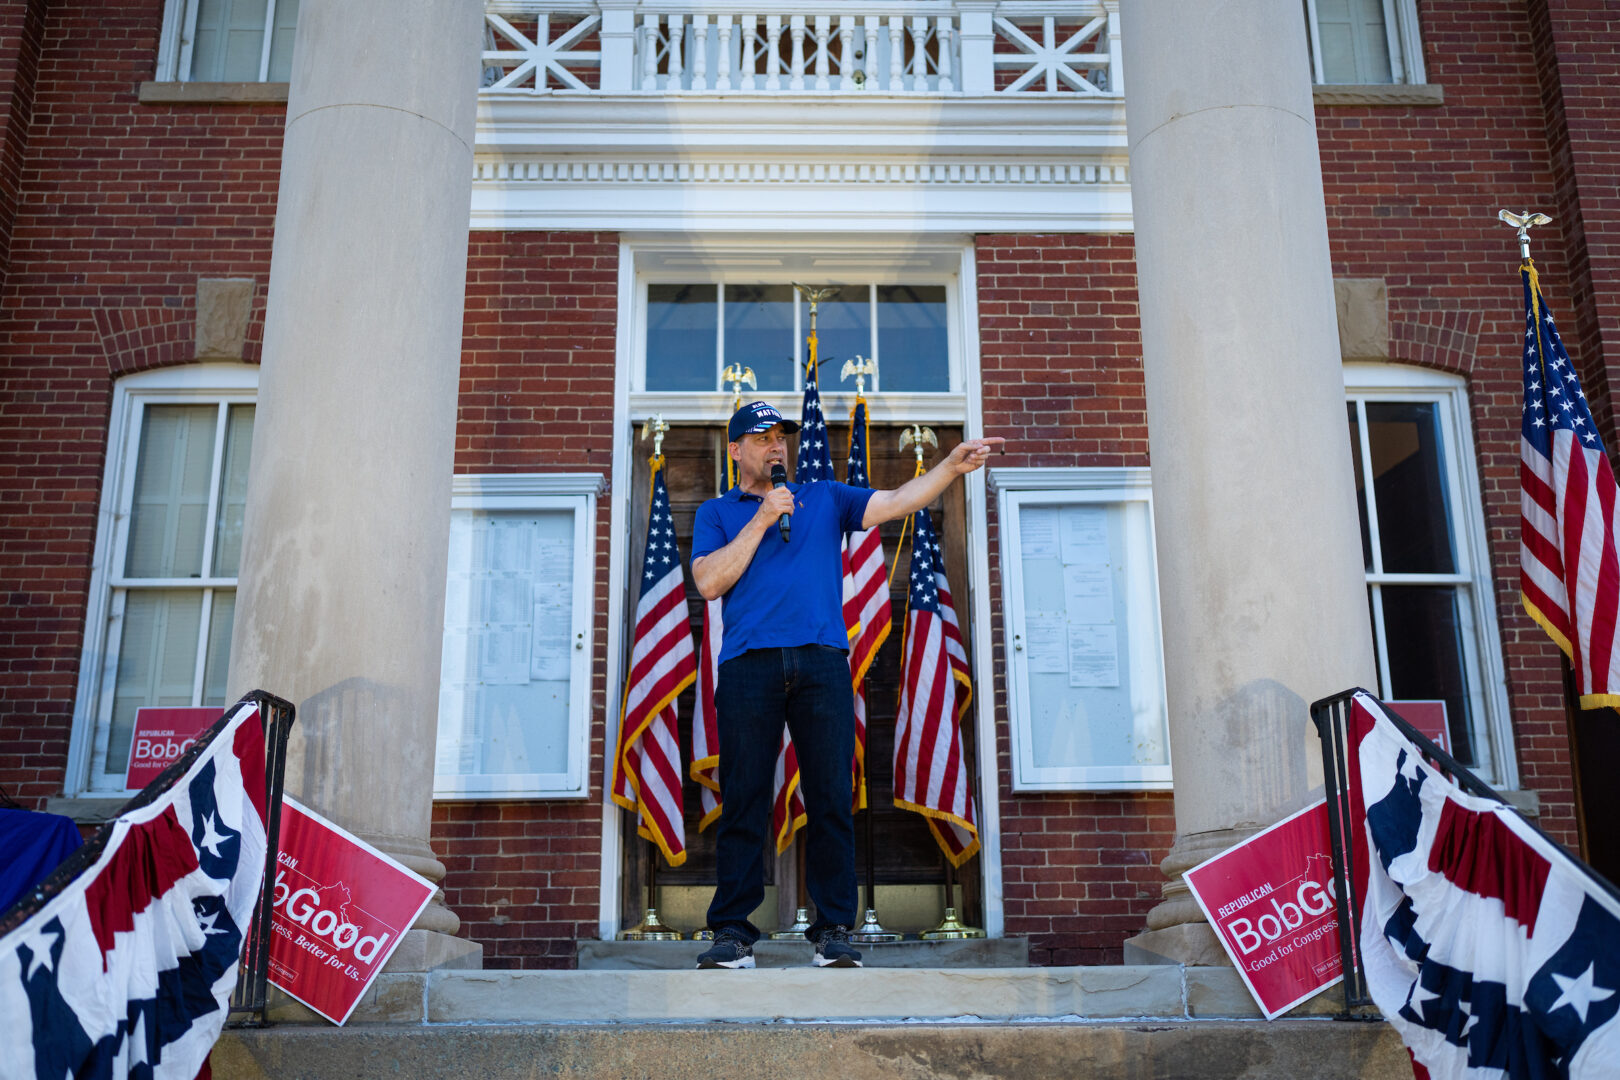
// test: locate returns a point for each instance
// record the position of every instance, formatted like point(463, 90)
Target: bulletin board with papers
point(1087, 679)
point(506, 682)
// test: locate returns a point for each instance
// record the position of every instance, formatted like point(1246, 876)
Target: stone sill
point(1380, 94)
point(86, 809)
point(213, 93)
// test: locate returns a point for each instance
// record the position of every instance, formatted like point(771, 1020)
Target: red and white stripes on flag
point(1569, 573)
point(646, 769)
point(867, 611)
point(788, 814)
point(705, 725)
point(930, 768)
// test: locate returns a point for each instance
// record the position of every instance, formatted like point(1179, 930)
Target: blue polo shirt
point(792, 593)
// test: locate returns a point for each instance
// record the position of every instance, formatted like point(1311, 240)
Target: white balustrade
point(903, 47)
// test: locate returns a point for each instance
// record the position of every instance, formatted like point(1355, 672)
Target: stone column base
point(429, 950)
point(1193, 944)
point(1177, 932)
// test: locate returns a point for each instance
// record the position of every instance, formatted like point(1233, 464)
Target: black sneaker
point(834, 950)
point(728, 951)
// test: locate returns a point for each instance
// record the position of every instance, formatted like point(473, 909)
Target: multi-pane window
point(165, 590)
point(695, 330)
point(514, 685)
point(1364, 41)
point(229, 40)
point(1428, 583)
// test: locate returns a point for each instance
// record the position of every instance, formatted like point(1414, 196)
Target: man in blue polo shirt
point(783, 659)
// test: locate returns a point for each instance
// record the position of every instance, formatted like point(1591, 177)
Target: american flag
point(127, 968)
point(930, 770)
point(705, 767)
point(646, 770)
point(867, 612)
point(1569, 574)
point(1491, 952)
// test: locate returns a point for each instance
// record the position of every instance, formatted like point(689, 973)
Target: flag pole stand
point(650, 928)
point(871, 932)
point(801, 916)
point(951, 928)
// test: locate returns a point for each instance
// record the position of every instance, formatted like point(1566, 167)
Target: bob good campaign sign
point(1270, 900)
point(162, 733)
point(340, 907)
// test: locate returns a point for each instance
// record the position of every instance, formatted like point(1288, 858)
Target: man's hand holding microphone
point(777, 505)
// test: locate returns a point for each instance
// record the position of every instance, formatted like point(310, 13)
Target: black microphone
point(779, 479)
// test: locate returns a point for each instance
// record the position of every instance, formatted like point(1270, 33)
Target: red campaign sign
point(1429, 717)
point(340, 910)
point(1270, 900)
point(162, 734)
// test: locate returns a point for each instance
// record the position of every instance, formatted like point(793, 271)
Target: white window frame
point(193, 384)
point(179, 31)
point(640, 252)
point(1075, 486)
point(1481, 636)
point(781, 260)
point(1401, 36)
point(543, 491)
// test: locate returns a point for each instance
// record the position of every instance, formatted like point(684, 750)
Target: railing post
point(1116, 52)
point(846, 52)
point(978, 38)
point(773, 55)
point(796, 72)
point(700, 52)
point(618, 46)
point(870, 23)
point(649, 51)
point(823, 30)
point(723, 52)
point(677, 35)
point(942, 33)
point(897, 53)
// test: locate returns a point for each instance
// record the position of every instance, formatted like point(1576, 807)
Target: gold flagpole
point(650, 928)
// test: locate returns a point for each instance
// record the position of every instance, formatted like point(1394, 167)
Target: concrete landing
point(1284, 1050)
point(682, 955)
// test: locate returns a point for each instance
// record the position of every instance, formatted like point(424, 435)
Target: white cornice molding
point(1096, 478)
point(777, 162)
point(488, 485)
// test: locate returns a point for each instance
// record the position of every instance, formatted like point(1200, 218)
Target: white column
point(1260, 573)
point(340, 605)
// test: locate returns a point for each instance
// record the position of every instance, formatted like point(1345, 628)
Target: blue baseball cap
point(757, 416)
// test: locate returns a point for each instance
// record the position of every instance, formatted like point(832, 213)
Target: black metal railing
point(253, 973)
point(276, 715)
point(1331, 716)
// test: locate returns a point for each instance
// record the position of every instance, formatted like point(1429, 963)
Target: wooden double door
point(904, 850)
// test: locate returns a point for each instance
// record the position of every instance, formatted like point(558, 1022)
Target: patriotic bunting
point(646, 769)
point(930, 771)
point(1489, 949)
point(1569, 572)
point(128, 970)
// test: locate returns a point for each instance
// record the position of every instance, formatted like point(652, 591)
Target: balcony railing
point(942, 48)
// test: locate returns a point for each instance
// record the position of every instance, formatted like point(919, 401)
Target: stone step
point(1319, 1049)
point(682, 955)
point(804, 994)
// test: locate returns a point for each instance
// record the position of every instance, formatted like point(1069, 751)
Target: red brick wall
point(122, 207)
point(21, 22)
point(536, 396)
point(1061, 366)
point(1412, 195)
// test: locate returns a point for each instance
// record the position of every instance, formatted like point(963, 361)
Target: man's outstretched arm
point(919, 491)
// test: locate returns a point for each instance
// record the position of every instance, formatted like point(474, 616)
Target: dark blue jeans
point(808, 688)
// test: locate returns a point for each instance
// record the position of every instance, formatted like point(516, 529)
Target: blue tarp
point(31, 846)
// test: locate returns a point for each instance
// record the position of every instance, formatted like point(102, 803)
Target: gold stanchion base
point(871, 932)
point(801, 923)
point(650, 929)
point(951, 929)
